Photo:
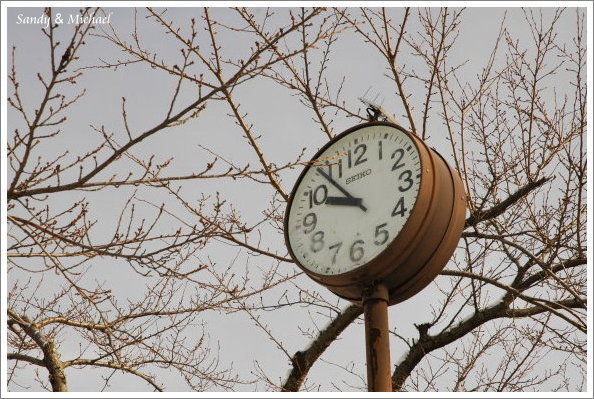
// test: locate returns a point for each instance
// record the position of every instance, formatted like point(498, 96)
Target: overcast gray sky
point(285, 128)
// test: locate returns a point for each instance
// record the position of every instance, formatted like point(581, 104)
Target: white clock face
point(354, 199)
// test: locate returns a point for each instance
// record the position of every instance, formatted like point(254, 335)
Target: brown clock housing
point(423, 246)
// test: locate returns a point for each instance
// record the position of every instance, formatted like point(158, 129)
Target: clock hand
point(341, 189)
point(352, 201)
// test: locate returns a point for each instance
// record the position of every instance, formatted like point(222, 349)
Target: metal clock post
point(374, 217)
point(377, 338)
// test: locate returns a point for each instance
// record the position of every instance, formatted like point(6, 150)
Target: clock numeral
point(356, 253)
point(337, 246)
point(398, 154)
point(330, 167)
point(407, 180)
point(381, 232)
point(380, 149)
point(317, 241)
point(399, 209)
point(349, 159)
point(309, 222)
point(359, 152)
point(360, 158)
point(317, 196)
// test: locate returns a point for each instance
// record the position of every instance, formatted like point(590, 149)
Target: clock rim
point(360, 276)
point(443, 252)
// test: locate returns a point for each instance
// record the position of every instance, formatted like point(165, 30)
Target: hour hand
point(349, 197)
point(348, 201)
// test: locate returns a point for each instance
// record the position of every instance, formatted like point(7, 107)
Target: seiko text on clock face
point(354, 199)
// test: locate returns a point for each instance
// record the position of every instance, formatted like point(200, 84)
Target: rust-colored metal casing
point(425, 243)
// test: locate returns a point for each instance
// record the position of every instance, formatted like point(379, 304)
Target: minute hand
point(341, 189)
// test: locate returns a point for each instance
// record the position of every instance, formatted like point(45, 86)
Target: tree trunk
point(55, 367)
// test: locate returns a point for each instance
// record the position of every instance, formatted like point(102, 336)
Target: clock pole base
point(379, 369)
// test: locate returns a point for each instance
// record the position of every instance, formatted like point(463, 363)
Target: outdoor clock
point(375, 205)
